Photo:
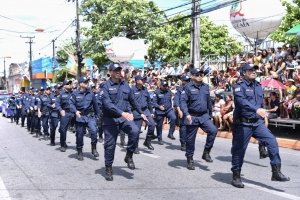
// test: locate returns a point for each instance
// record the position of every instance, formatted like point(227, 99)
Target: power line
point(17, 21)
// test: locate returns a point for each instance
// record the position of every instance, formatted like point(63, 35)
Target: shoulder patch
point(238, 89)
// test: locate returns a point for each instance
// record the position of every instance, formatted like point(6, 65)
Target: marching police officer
point(197, 107)
point(248, 119)
point(44, 107)
point(162, 102)
point(18, 106)
point(182, 128)
point(63, 106)
point(116, 98)
point(100, 118)
point(36, 120)
point(84, 104)
point(54, 114)
point(12, 105)
point(142, 97)
point(29, 109)
point(23, 108)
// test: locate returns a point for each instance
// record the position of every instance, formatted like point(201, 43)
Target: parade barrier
point(284, 122)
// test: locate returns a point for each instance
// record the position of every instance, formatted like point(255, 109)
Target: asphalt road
point(32, 169)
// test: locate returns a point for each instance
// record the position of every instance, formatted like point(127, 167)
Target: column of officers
point(103, 112)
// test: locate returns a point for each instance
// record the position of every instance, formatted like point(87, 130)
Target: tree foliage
point(172, 41)
point(291, 19)
point(130, 18)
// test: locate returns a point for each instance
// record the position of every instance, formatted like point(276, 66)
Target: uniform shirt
point(162, 98)
point(176, 100)
point(19, 100)
point(195, 99)
point(143, 99)
point(53, 100)
point(12, 103)
point(45, 104)
point(248, 97)
point(63, 100)
point(29, 98)
point(118, 98)
point(35, 101)
point(84, 101)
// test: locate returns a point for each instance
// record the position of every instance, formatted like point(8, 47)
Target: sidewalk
point(282, 142)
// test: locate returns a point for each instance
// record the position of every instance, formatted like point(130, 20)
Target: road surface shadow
point(85, 155)
point(228, 159)
point(183, 163)
point(222, 177)
point(117, 171)
point(261, 185)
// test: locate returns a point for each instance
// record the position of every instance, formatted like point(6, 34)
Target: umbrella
point(272, 83)
point(294, 31)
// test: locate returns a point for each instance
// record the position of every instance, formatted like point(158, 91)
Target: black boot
point(277, 175)
point(183, 146)
point(236, 179)
point(94, 150)
point(52, 142)
point(171, 136)
point(100, 139)
point(190, 163)
point(108, 173)
point(128, 159)
point(263, 153)
point(122, 140)
point(206, 156)
point(147, 144)
point(136, 151)
point(80, 155)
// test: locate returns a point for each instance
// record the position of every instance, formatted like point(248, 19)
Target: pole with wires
point(195, 34)
point(30, 55)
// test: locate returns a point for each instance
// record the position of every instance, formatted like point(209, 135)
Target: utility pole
point(195, 34)
point(53, 54)
point(78, 48)
point(4, 72)
point(30, 55)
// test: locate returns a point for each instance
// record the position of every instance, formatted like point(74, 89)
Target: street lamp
point(4, 72)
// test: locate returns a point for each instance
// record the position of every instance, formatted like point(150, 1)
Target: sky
point(19, 19)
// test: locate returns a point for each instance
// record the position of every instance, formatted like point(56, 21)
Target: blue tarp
point(43, 64)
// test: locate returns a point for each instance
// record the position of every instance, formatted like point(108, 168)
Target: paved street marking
point(277, 193)
point(149, 155)
point(4, 195)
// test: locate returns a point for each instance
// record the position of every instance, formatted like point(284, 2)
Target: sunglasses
point(197, 75)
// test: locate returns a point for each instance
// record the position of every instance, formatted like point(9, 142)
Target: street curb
point(282, 142)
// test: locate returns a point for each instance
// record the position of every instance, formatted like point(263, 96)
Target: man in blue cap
point(197, 108)
point(248, 121)
point(29, 109)
point(84, 104)
point(36, 117)
point(143, 99)
point(63, 106)
point(162, 102)
point(182, 128)
point(117, 101)
point(54, 113)
point(44, 107)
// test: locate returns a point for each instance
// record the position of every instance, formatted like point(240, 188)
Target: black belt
point(241, 119)
point(197, 113)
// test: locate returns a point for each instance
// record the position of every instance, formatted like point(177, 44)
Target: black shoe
point(65, 145)
point(160, 142)
point(263, 153)
point(183, 147)
point(108, 173)
point(206, 156)
point(62, 149)
point(94, 150)
point(152, 137)
point(128, 159)
point(52, 143)
point(100, 139)
point(136, 151)
point(147, 144)
point(190, 163)
point(79, 154)
point(236, 180)
point(171, 137)
point(277, 175)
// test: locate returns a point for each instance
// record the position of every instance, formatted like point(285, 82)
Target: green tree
point(173, 40)
point(131, 18)
point(291, 19)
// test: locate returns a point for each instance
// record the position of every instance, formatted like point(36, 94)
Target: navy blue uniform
point(182, 127)
point(63, 103)
point(85, 102)
point(164, 98)
point(18, 108)
point(143, 99)
point(116, 99)
point(29, 109)
point(36, 120)
point(23, 108)
point(248, 97)
point(196, 102)
point(12, 105)
point(98, 96)
point(54, 116)
point(45, 107)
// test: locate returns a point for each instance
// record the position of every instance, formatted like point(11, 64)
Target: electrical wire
point(17, 21)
